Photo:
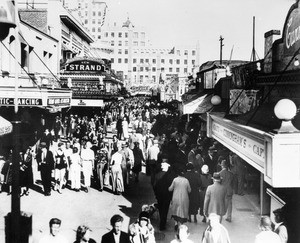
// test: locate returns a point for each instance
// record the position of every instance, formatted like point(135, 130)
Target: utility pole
point(253, 53)
point(221, 47)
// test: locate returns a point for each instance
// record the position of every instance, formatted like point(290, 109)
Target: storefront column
point(265, 201)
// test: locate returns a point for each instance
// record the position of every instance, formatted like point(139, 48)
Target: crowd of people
point(190, 173)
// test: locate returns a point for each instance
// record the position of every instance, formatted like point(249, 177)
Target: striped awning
point(5, 126)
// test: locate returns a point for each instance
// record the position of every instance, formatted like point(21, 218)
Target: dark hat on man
point(216, 177)
point(278, 211)
point(190, 166)
point(144, 216)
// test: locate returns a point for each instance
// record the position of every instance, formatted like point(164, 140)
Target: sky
point(185, 23)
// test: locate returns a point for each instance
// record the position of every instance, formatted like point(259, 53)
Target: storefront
point(263, 126)
point(92, 82)
point(37, 108)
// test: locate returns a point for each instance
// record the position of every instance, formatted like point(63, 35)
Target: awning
point(5, 126)
point(198, 106)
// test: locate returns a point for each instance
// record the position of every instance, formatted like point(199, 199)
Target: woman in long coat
point(195, 183)
point(138, 159)
point(180, 199)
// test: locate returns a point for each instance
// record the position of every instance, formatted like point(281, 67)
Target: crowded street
point(140, 121)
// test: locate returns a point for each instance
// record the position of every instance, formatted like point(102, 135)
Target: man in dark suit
point(210, 160)
point(45, 162)
point(116, 235)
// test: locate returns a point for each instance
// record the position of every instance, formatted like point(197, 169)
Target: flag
point(172, 50)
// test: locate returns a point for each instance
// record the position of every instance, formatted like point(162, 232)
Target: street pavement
point(95, 209)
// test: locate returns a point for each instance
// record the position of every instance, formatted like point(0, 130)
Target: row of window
point(162, 61)
point(170, 70)
point(136, 35)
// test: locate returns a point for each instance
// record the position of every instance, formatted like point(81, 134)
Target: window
point(126, 51)
point(135, 35)
point(126, 34)
point(193, 52)
point(86, 13)
point(99, 37)
point(147, 69)
point(119, 60)
point(119, 51)
point(86, 21)
point(126, 43)
point(153, 69)
point(93, 21)
point(99, 21)
point(94, 13)
point(143, 43)
point(162, 60)
point(143, 35)
point(120, 34)
point(171, 61)
point(112, 60)
point(134, 60)
point(93, 29)
point(141, 69)
point(153, 61)
point(106, 34)
point(185, 61)
point(170, 70)
point(185, 70)
point(112, 43)
point(126, 60)
point(141, 60)
point(146, 60)
point(99, 13)
point(177, 61)
point(120, 43)
point(162, 69)
point(178, 52)
point(134, 69)
point(153, 78)
point(185, 52)
point(193, 62)
point(99, 29)
point(177, 70)
point(112, 34)
point(135, 43)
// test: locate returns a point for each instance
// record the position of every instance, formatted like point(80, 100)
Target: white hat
point(205, 169)
point(165, 166)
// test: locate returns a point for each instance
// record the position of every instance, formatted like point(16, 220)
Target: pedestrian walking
point(83, 235)
point(215, 196)
point(215, 231)
point(227, 181)
point(206, 180)
point(87, 160)
point(280, 225)
point(138, 160)
point(194, 196)
point(116, 170)
point(102, 160)
point(45, 162)
point(26, 174)
point(152, 159)
point(116, 235)
point(180, 198)
point(54, 236)
point(163, 180)
point(61, 165)
point(75, 170)
point(266, 235)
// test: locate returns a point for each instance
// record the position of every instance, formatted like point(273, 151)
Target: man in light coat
point(215, 197)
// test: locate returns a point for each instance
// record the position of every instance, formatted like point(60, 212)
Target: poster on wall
point(242, 101)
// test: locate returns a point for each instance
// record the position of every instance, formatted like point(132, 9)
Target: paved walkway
point(95, 209)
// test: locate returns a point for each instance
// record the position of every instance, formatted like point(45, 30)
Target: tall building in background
point(130, 49)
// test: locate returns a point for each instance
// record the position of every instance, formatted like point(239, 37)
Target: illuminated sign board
point(85, 66)
point(21, 102)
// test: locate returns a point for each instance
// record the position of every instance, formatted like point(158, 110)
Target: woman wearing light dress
point(125, 128)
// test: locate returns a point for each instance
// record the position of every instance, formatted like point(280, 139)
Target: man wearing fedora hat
point(215, 196)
